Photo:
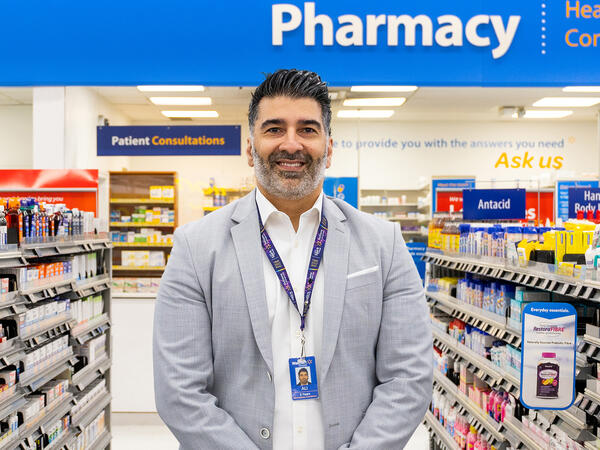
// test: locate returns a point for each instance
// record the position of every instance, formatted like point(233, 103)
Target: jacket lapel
point(246, 240)
point(335, 262)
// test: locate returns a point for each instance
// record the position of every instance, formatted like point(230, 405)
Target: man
point(286, 278)
point(303, 377)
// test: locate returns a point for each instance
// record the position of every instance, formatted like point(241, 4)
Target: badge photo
point(303, 378)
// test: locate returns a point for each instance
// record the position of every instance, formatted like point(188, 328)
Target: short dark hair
point(295, 84)
point(303, 370)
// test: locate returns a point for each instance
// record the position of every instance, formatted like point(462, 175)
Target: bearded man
point(286, 280)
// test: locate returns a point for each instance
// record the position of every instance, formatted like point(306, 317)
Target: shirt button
point(265, 433)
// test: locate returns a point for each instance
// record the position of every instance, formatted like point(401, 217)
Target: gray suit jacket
point(212, 341)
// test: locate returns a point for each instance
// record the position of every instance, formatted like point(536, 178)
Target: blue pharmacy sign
point(583, 200)
point(562, 197)
point(449, 183)
point(548, 346)
point(425, 43)
point(344, 188)
point(169, 140)
point(489, 204)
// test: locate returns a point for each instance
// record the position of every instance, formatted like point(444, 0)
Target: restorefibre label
point(549, 333)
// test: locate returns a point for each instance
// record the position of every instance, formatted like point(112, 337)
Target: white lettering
point(351, 34)
point(493, 204)
point(373, 23)
point(410, 25)
point(310, 23)
point(114, 140)
point(451, 33)
point(471, 31)
point(505, 35)
point(279, 26)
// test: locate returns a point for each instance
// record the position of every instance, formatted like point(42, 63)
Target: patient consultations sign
point(169, 140)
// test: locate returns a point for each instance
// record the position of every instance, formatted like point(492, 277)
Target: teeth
point(291, 164)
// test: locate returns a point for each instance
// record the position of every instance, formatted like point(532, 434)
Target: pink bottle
point(499, 399)
point(471, 438)
point(477, 445)
point(505, 404)
point(491, 407)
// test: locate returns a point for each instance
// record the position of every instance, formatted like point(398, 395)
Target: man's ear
point(249, 152)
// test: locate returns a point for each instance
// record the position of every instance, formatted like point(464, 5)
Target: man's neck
point(293, 208)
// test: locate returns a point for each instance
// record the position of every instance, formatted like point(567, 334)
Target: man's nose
point(291, 142)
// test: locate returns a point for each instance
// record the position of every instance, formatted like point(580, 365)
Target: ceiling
point(427, 103)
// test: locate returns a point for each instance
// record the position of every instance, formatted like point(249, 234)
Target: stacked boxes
point(46, 355)
point(134, 285)
point(87, 308)
point(93, 349)
point(41, 316)
point(90, 433)
point(41, 274)
point(142, 258)
point(89, 395)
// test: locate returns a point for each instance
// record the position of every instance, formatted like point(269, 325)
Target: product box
point(168, 192)
point(156, 192)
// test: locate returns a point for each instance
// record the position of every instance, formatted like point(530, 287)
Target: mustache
point(297, 156)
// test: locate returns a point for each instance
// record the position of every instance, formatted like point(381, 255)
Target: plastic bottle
point(13, 223)
point(491, 404)
point(471, 438)
point(3, 228)
point(498, 412)
point(436, 405)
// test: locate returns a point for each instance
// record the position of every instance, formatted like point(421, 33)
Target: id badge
point(303, 378)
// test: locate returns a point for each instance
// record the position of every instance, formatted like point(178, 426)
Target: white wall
point(16, 137)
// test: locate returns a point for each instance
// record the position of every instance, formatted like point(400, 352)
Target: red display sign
point(446, 199)
point(540, 206)
point(76, 188)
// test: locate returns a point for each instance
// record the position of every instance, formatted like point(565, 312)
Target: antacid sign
point(356, 31)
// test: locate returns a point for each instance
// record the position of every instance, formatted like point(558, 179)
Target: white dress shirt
point(298, 424)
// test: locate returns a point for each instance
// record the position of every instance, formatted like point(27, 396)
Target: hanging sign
point(583, 200)
point(484, 204)
point(562, 195)
point(417, 250)
point(344, 188)
point(169, 140)
point(548, 349)
point(442, 202)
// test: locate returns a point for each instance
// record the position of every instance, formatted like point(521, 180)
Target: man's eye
point(273, 130)
point(309, 130)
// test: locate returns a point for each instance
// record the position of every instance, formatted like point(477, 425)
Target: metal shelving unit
point(579, 421)
point(14, 351)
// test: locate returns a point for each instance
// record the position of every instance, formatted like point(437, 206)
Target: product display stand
point(579, 422)
point(56, 425)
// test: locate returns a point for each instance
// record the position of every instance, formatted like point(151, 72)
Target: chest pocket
point(363, 277)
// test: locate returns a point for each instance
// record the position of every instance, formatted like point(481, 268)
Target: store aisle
point(145, 431)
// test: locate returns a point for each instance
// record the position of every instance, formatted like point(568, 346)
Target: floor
point(147, 432)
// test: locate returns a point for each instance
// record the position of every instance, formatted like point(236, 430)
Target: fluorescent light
point(569, 102)
point(383, 88)
point(181, 88)
point(365, 113)
point(546, 114)
point(190, 114)
point(188, 101)
point(387, 101)
point(581, 89)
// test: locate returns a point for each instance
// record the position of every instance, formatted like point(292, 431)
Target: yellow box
point(168, 192)
point(156, 192)
point(560, 245)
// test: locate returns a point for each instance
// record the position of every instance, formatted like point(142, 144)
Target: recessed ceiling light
point(181, 88)
point(365, 113)
point(383, 88)
point(581, 89)
point(569, 102)
point(546, 114)
point(189, 101)
point(384, 101)
point(192, 114)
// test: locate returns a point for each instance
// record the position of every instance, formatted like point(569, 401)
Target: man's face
point(303, 377)
point(290, 148)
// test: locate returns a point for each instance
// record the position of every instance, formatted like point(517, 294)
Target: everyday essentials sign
point(425, 43)
point(483, 204)
point(583, 200)
point(166, 140)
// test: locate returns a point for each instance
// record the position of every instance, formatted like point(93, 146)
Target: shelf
point(89, 373)
point(477, 317)
point(140, 245)
point(516, 427)
point(84, 417)
point(387, 205)
point(61, 246)
point(142, 224)
point(10, 347)
point(53, 329)
point(134, 295)
point(48, 290)
point(439, 431)
point(490, 425)
point(91, 286)
point(12, 403)
point(134, 201)
point(404, 219)
point(48, 414)
point(86, 329)
point(11, 303)
point(61, 441)
point(210, 191)
point(33, 382)
point(101, 441)
point(139, 268)
point(538, 276)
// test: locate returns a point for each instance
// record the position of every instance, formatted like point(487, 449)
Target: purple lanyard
point(313, 267)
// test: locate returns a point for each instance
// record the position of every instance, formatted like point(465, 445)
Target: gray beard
point(290, 185)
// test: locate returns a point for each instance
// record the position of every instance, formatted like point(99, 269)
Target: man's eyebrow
point(310, 122)
point(269, 122)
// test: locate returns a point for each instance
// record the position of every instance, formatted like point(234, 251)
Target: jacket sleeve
point(404, 365)
point(183, 364)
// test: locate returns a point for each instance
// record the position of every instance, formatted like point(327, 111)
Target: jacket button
point(265, 433)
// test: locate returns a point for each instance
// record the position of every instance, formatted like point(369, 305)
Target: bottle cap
point(548, 355)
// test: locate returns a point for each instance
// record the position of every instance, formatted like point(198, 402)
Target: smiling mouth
point(290, 166)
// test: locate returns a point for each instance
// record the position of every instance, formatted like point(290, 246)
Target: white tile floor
point(147, 432)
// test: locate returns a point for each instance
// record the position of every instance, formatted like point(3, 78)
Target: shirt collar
point(266, 208)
